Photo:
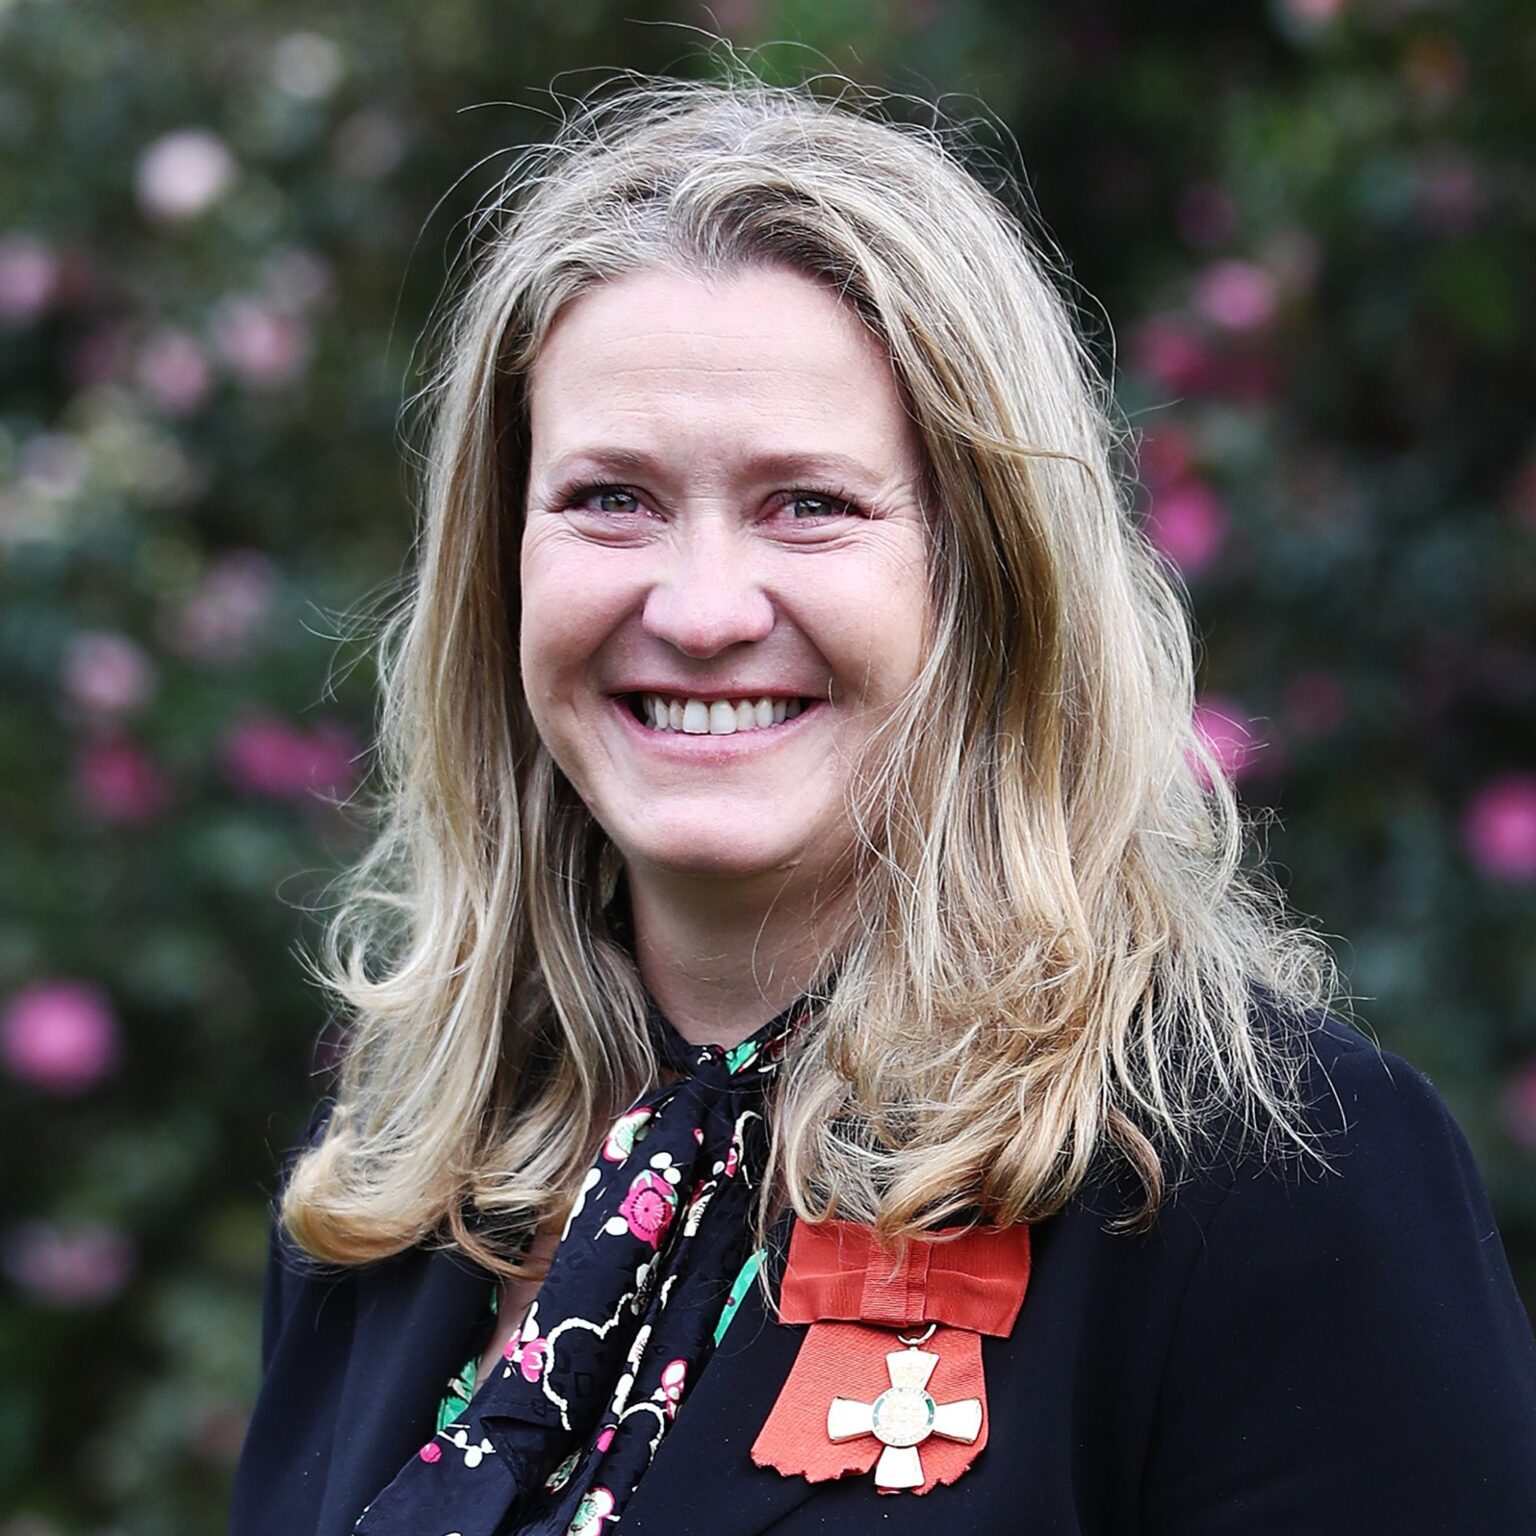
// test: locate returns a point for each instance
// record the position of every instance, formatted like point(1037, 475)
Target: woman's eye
point(612, 499)
point(806, 505)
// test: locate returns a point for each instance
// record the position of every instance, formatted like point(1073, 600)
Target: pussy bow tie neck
point(559, 1434)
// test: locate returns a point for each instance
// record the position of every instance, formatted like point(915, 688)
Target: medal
point(916, 1415)
point(903, 1416)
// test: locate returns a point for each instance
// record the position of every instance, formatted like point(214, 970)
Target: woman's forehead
point(767, 360)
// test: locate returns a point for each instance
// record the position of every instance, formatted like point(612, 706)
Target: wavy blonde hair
point(1058, 945)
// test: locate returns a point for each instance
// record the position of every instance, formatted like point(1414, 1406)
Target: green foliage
point(221, 232)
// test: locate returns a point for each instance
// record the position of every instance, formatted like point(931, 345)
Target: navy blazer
point(1282, 1355)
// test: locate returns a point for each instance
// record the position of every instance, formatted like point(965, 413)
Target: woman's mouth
point(713, 717)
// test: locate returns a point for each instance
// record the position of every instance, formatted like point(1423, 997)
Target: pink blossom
point(673, 1379)
point(648, 1207)
point(221, 617)
point(270, 756)
point(1228, 732)
point(184, 173)
point(1315, 703)
point(1237, 295)
point(1517, 1105)
point(174, 371)
point(72, 1267)
point(118, 781)
point(1188, 523)
point(107, 674)
point(431, 1451)
point(266, 347)
point(28, 278)
point(1168, 350)
point(530, 1356)
point(1165, 457)
point(61, 1036)
point(1499, 827)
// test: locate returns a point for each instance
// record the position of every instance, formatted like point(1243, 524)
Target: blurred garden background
point(1300, 232)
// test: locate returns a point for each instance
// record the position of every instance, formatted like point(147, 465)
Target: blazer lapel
point(703, 1481)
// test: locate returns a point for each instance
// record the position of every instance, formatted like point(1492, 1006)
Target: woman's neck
point(721, 960)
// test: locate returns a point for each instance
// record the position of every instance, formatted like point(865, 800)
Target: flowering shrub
point(1311, 230)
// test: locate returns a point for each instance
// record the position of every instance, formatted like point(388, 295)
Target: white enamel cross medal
point(904, 1415)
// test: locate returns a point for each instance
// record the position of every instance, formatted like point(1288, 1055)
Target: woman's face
point(724, 573)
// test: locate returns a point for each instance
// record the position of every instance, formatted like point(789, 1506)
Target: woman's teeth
point(715, 717)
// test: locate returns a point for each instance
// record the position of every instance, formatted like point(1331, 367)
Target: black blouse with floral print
point(647, 1276)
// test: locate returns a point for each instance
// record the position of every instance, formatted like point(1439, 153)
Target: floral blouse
point(649, 1272)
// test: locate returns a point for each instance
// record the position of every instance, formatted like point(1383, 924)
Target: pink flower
point(431, 1451)
point(269, 756)
point(266, 347)
point(107, 674)
point(174, 372)
point(68, 1267)
point(1227, 732)
point(1165, 457)
point(28, 278)
point(60, 1036)
point(1237, 295)
point(184, 173)
point(1188, 523)
point(531, 1358)
point(673, 1379)
point(624, 1133)
point(649, 1206)
point(1168, 350)
point(118, 781)
point(1499, 827)
point(221, 617)
point(1517, 1105)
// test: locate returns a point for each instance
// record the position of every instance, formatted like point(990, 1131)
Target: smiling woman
point(720, 579)
point(812, 1036)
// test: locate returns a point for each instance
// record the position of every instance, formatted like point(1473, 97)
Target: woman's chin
point(718, 855)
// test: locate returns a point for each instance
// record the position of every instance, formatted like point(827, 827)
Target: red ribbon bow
point(853, 1293)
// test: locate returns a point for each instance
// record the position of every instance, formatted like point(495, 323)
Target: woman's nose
point(708, 597)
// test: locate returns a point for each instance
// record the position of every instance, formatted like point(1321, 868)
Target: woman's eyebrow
point(786, 465)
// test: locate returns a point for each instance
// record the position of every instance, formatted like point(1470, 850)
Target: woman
point(797, 846)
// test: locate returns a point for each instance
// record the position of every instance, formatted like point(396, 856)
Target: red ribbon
point(857, 1296)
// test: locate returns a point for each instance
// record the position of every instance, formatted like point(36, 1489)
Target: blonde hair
point(1059, 954)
